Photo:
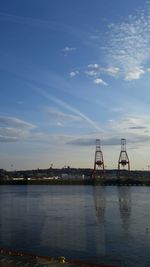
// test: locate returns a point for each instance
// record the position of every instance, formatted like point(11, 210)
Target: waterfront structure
point(123, 157)
point(98, 161)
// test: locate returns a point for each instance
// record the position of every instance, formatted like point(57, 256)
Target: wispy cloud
point(8, 134)
point(113, 71)
point(91, 73)
point(94, 71)
point(129, 48)
point(82, 142)
point(107, 141)
point(93, 66)
point(68, 107)
point(126, 51)
point(52, 139)
point(135, 128)
point(15, 122)
point(13, 129)
point(130, 123)
point(91, 141)
point(69, 49)
point(61, 117)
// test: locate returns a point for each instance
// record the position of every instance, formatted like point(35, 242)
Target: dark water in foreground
point(92, 223)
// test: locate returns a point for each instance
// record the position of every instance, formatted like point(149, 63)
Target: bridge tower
point(98, 161)
point(123, 157)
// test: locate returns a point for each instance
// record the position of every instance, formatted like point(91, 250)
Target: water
point(92, 223)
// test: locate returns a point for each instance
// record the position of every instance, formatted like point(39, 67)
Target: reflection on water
point(96, 223)
point(100, 204)
point(21, 217)
point(99, 195)
point(124, 197)
point(64, 222)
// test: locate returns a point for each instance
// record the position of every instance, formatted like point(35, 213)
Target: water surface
point(92, 223)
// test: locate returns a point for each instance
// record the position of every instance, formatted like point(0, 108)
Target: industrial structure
point(98, 161)
point(123, 157)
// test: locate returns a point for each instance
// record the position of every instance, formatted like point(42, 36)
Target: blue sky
point(71, 72)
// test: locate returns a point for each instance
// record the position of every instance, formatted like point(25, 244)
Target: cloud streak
point(68, 107)
point(15, 122)
point(61, 116)
point(13, 129)
point(91, 141)
point(135, 128)
point(113, 141)
point(130, 123)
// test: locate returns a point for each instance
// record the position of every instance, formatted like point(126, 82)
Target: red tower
point(123, 157)
point(98, 162)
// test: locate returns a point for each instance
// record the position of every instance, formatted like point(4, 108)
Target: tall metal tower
point(123, 157)
point(98, 162)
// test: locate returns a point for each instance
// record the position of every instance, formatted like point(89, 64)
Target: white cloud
point(113, 71)
point(99, 81)
point(134, 74)
point(73, 73)
point(128, 46)
point(91, 73)
point(95, 70)
point(69, 49)
point(93, 66)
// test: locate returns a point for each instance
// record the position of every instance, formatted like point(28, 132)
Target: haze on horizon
point(71, 72)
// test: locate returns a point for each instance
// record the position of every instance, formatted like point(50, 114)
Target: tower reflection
point(100, 202)
point(99, 195)
point(124, 198)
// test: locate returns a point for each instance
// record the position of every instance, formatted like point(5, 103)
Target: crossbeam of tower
point(98, 161)
point(123, 157)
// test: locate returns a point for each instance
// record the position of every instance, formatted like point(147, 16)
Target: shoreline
point(100, 181)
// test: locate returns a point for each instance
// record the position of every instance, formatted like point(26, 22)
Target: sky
point(72, 72)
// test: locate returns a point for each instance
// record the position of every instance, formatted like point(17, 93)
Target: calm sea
point(93, 223)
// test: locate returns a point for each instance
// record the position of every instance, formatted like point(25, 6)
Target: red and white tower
point(123, 157)
point(98, 162)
